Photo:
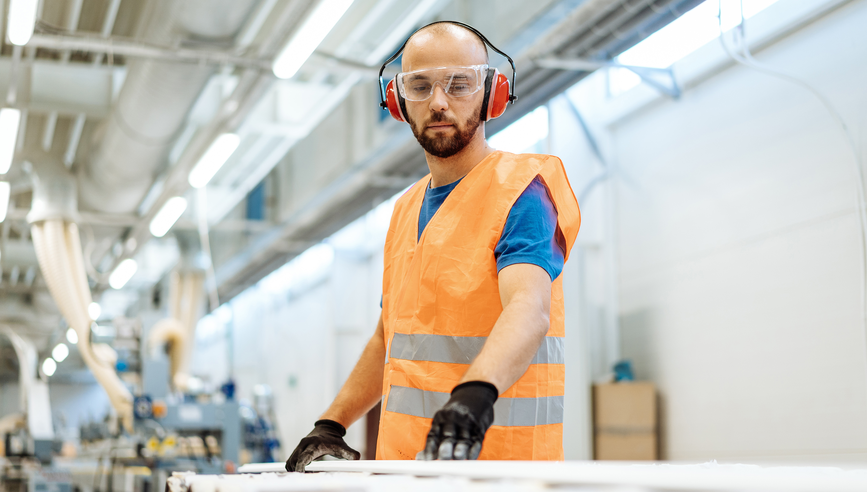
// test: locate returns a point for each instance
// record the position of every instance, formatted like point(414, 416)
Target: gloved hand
point(325, 438)
point(459, 427)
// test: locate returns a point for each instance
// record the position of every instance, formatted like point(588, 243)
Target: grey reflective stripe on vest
point(462, 350)
point(509, 412)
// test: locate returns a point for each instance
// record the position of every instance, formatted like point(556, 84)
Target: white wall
point(740, 259)
point(302, 336)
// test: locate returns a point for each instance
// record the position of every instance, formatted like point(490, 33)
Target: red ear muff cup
point(499, 98)
point(394, 102)
point(496, 95)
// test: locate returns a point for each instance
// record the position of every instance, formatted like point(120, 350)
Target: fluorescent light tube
point(60, 352)
point(72, 336)
point(309, 35)
point(94, 310)
point(5, 189)
point(213, 159)
point(122, 273)
point(49, 366)
point(10, 118)
point(167, 216)
point(22, 18)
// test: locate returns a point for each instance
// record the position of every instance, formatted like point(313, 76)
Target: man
point(467, 356)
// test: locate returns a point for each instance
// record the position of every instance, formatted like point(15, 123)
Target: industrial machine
point(172, 430)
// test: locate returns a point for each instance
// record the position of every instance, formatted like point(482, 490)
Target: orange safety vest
point(441, 299)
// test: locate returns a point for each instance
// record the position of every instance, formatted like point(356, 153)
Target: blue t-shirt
point(530, 234)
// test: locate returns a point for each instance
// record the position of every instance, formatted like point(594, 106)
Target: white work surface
point(473, 476)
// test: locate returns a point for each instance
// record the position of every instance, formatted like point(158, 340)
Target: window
point(681, 37)
point(528, 134)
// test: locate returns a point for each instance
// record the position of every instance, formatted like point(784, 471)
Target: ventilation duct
point(153, 103)
point(58, 249)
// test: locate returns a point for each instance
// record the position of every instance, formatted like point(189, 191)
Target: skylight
point(681, 37)
point(524, 134)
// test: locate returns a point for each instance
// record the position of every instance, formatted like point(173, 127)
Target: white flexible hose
point(172, 332)
point(59, 253)
point(185, 292)
point(27, 363)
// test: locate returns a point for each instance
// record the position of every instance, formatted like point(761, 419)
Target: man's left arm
point(525, 291)
point(459, 427)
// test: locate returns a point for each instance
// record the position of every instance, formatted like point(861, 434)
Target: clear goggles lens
point(455, 81)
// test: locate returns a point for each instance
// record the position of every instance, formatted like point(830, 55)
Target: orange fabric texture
point(445, 283)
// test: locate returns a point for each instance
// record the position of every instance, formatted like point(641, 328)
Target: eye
point(419, 87)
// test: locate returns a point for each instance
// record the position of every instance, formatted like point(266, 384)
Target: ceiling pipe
point(252, 84)
point(133, 142)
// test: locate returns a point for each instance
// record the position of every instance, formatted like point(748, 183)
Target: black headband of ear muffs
point(512, 96)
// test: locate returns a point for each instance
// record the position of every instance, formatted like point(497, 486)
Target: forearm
point(363, 389)
point(512, 343)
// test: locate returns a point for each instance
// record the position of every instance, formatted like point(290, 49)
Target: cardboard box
point(625, 421)
point(625, 447)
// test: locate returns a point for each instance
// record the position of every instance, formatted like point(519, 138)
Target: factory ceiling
point(125, 96)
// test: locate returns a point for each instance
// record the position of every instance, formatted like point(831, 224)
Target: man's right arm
point(357, 396)
point(363, 389)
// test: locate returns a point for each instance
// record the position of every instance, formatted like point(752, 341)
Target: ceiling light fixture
point(213, 159)
point(49, 366)
point(309, 35)
point(5, 189)
point(122, 273)
point(60, 352)
point(167, 216)
point(94, 310)
point(10, 118)
point(22, 19)
point(72, 336)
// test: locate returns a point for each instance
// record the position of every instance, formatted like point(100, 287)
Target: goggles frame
point(481, 72)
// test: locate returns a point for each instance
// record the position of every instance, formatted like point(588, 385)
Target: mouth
point(440, 126)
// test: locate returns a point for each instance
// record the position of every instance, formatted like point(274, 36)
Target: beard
point(444, 146)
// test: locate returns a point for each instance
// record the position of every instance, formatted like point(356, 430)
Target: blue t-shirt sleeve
point(531, 234)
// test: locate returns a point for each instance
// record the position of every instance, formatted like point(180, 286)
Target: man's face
point(444, 125)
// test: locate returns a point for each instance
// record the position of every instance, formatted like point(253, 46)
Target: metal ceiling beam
point(68, 89)
point(136, 49)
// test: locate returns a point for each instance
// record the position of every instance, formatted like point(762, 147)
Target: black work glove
point(459, 427)
point(325, 438)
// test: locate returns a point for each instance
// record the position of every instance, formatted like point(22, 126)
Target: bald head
point(443, 44)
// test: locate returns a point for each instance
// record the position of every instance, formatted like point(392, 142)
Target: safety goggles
point(419, 85)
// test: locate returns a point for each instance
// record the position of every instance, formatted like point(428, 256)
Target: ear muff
point(394, 101)
point(498, 99)
point(496, 95)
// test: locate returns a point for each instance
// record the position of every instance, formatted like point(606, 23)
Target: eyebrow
point(415, 77)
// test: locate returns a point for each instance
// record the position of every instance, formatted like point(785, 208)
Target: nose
point(438, 100)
